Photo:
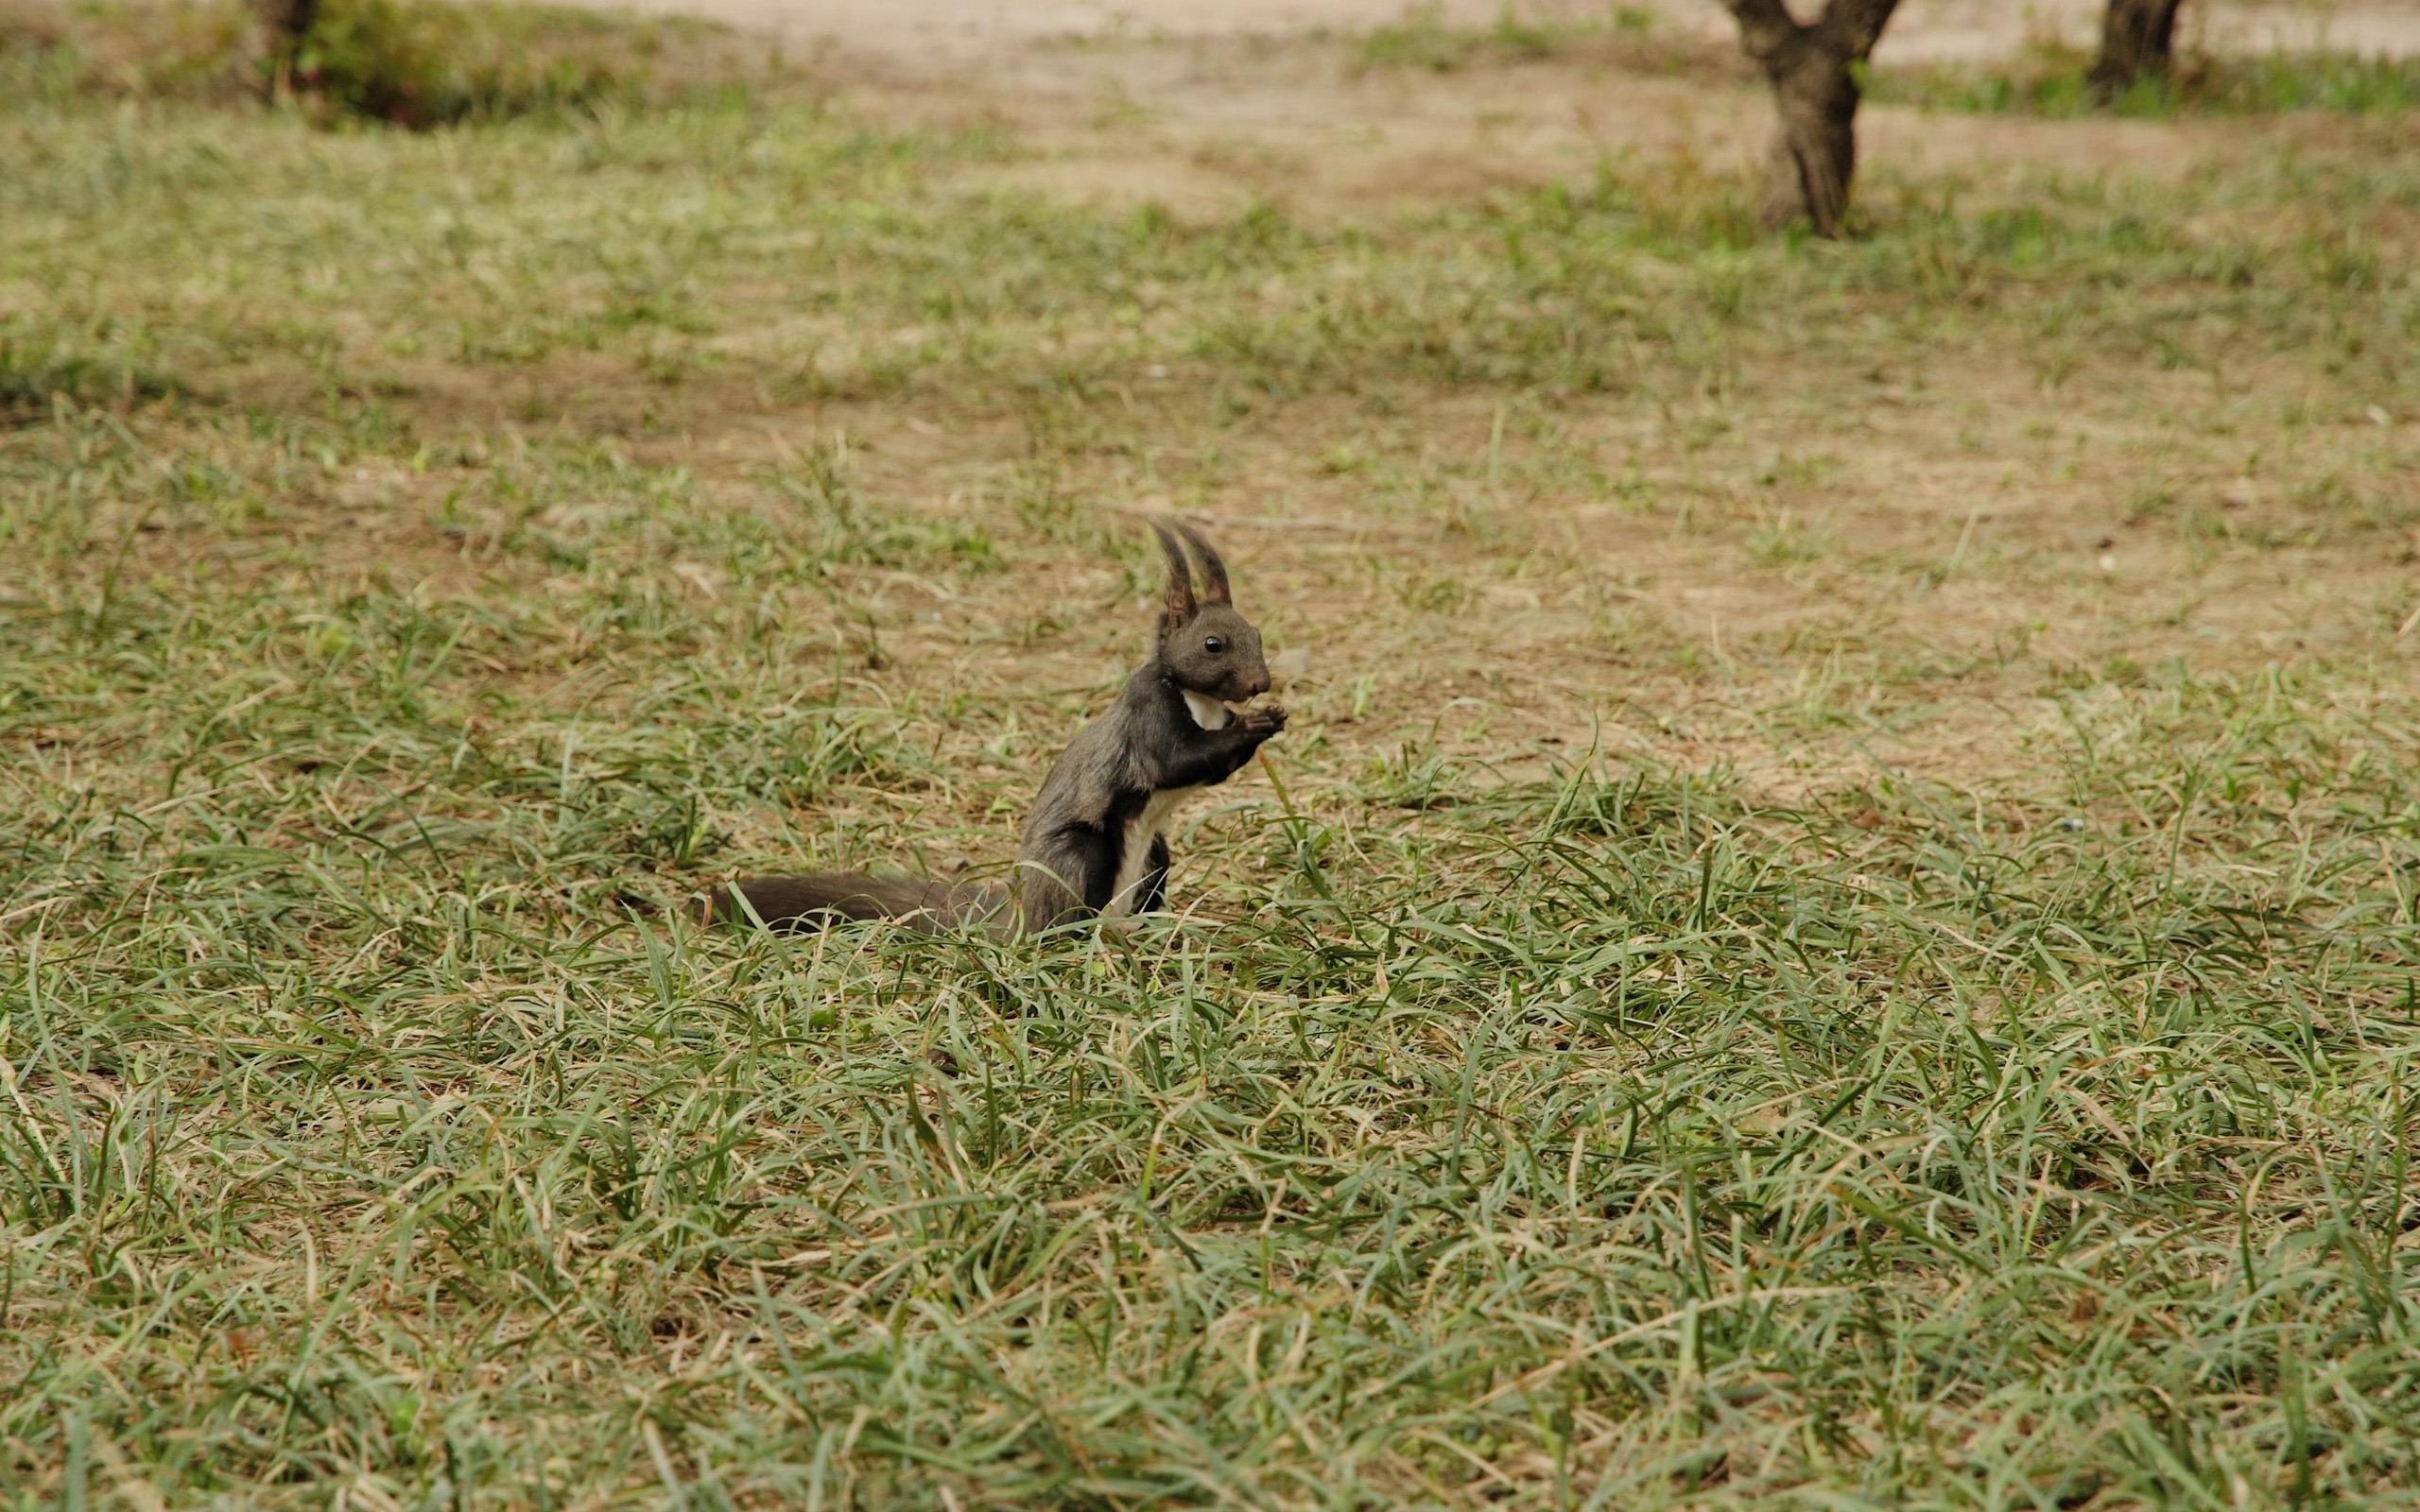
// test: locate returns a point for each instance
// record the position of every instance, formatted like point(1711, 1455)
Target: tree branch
point(1849, 28)
point(1768, 31)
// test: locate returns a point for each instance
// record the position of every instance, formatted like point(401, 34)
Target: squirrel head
point(1204, 645)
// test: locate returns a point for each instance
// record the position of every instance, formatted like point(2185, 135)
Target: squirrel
point(1096, 844)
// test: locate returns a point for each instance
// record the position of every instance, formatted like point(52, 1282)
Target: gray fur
point(1097, 821)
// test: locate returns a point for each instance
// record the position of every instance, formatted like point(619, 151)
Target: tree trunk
point(1813, 69)
point(285, 25)
point(2138, 41)
point(1814, 149)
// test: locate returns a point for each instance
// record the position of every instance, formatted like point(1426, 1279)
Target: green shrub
point(431, 65)
point(415, 64)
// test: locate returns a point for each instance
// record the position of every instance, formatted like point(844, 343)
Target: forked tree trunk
point(285, 25)
point(2137, 41)
point(1813, 69)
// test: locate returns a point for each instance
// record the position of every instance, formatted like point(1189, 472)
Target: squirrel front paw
point(1262, 722)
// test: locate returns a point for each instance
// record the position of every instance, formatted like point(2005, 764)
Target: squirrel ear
point(1180, 602)
point(1214, 572)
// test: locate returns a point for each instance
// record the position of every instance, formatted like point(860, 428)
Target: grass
point(1621, 36)
point(2049, 81)
point(1623, 1066)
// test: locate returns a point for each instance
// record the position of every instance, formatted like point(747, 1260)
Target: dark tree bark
point(285, 26)
point(1813, 69)
point(2138, 41)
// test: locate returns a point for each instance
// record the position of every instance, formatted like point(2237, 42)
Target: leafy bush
point(414, 63)
point(430, 65)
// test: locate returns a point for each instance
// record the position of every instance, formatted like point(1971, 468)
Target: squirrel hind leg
point(1151, 893)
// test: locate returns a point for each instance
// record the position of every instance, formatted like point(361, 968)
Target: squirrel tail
point(803, 905)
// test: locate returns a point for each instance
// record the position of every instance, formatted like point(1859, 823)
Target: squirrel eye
point(1213, 646)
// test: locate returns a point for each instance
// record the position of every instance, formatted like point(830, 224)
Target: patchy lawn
point(1835, 923)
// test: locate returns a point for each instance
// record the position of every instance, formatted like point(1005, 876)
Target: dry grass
point(1838, 925)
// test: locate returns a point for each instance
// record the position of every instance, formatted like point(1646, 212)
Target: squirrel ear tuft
point(1214, 572)
point(1180, 607)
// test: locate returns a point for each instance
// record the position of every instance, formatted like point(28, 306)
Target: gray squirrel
point(1096, 844)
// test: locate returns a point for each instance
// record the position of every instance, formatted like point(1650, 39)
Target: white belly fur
point(1140, 831)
